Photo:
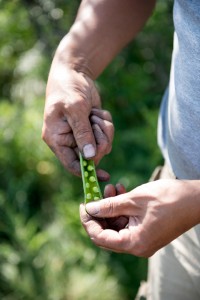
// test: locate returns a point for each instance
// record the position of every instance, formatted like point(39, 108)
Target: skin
point(71, 94)
point(150, 216)
point(114, 223)
point(156, 213)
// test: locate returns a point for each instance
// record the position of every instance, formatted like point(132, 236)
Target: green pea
point(92, 179)
point(84, 163)
point(90, 182)
point(95, 189)
point(89, 196)
point(90, 168)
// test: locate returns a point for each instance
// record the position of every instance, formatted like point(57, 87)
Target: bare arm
point(101, 29)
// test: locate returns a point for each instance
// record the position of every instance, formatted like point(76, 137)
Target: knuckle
point(80, 128)
point(75, 107)
point(53, 108)
point(109, 207)
point(82, 132)
point(66, 140)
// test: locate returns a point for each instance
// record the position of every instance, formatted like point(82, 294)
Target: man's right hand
point(92, 42)
point(73, 120)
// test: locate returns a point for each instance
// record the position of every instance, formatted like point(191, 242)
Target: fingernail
point(88, 151)
point(92, 208)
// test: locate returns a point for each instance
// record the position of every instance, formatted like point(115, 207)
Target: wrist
point(193, 192)
point(70, 55)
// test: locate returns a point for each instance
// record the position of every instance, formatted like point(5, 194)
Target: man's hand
point(115, 223)
point(73, 120)
point(92, 42)
point(156, 213)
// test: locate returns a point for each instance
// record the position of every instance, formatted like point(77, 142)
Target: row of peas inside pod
point(90, 182)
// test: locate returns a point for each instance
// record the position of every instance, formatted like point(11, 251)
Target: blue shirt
point(179, 120)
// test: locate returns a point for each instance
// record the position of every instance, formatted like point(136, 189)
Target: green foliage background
point(44, 252)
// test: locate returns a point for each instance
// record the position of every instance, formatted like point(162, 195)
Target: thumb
point(84, 136)
point(110, 207)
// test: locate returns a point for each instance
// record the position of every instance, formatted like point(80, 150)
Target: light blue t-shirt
point(179, 121)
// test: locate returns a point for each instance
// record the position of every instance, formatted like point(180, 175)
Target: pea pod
point(90, 182)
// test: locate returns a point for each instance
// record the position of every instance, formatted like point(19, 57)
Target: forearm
point(101, 29)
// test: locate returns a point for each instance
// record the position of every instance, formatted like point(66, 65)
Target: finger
point(108, 238)
point(92, 226)
point(103, 114)
point(61, 145)
point(87, 220)
point(118, 223)
point(69, 159)
point(106, 126)
point(58, 136)
point(54, 128)
point(120, 189)
point(83, 133)
point(114, 207)
point(57, 128)
point(109, 191)
point(85, 217)
point(102, 175)
point(64, 139)
point(122, 241)
point(104, 146)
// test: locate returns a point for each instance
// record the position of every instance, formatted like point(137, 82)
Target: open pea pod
point(90, 182)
